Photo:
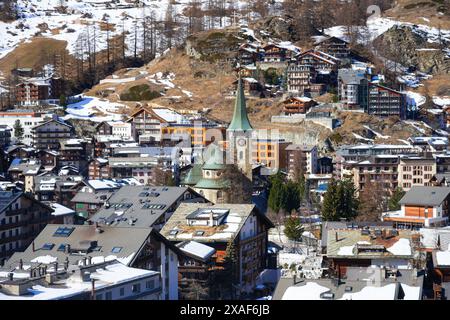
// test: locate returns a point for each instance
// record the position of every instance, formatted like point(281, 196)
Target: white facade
point(27, 122)
point(169, 273)
point(122, 129)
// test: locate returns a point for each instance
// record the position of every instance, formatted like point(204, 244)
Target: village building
point(110, 280)
point(220, 226)
point(143, 206)
point(27, 119)
point(49, 134)
point(22, 218)
point(385, 284)
point(297, 105)
point(416, 171)
point(75, 245)
point(301, 159)
point(385, 102)
point(422, 207)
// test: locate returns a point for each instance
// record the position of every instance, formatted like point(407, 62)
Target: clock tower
point(239, 134)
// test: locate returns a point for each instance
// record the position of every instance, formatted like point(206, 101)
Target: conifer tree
point(395, 199)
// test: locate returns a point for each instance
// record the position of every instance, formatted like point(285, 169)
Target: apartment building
point(302, 80)
point(49, 134)
point(416, 171)
point(215, 226)
point(333, 46)
point(301, 159)
point(353, 87)
point(386, 102)
point(382, 169)
point(270, 152)
point(38, 90)
point(22, 218)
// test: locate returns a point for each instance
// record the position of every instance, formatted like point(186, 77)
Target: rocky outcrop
point(285, 28)
point(411, 48)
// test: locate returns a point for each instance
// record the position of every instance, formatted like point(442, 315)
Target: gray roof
point(26, 168)
point(425, 196)
point(144, 205)
point(299, 147)
point(83, 237)
point(356, 279)
point(96, 197)
point(42, 183)
point(230, 226)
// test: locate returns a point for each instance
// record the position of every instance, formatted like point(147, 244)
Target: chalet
point(303, 80)
point(422, 207)
point(274, 53)
point(218, 227)
point(385, 102)
point(99, 169)
point(333, 46)
point(116, 128)
point(55, 188)
point(149, 121)
point(47, 135)
point(325, 65)
point(364, 247)
point(48, 158)
point(34, 91)
point(249, 54)
point(252, 87)
point(297, 105)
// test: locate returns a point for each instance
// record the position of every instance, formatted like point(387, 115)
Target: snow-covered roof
point(197, 249)
point(60, 210)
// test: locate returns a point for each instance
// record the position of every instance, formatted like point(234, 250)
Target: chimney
point(10, 276)
point(336, 236)
point(295, 279)
point(31, 273)
point(66, 263)
point(33, 246)
point(67, 248)
point(84, 261)
point(56, 266)
point(211, 219)
point(93, 289)
point(89, 260)
point(20, 264)
point(96, 224)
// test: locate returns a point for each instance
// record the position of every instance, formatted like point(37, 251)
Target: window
point(136, 288)
point(48, 246)
point(116, 249)
point(122, 292)
point(99, 297)
point(63, 232)
point(62, 247)
point(150, 284)
point(108, 295)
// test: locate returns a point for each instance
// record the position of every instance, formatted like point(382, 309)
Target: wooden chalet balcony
point(8, 226)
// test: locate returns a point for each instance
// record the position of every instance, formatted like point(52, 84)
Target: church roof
point(214, 158)
point(240, 120)
point(193, 176)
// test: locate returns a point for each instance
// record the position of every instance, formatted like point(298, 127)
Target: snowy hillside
point(41, 17)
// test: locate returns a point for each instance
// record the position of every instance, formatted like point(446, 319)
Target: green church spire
point(240, 120)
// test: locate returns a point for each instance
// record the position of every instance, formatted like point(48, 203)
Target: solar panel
point(62, 247)
point(199, 233)
point(173, 232)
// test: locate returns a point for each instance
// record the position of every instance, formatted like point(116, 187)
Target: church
point(207, 173)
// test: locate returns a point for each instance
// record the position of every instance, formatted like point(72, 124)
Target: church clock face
point(241, 142)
